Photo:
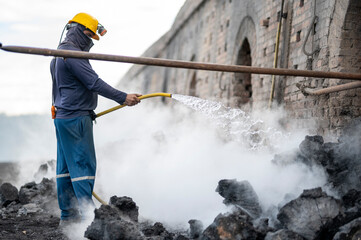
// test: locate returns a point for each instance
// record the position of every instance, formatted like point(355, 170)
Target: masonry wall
point(243, 32)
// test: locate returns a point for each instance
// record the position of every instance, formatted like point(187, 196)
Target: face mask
point(76, 35)
point(91, 44)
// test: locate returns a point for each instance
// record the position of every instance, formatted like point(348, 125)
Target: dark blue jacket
point(76, 87)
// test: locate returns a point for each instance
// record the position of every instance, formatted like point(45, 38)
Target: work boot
point(66, 223)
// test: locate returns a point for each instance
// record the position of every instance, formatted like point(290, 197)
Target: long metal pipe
point(338, 88)
point(180, 64)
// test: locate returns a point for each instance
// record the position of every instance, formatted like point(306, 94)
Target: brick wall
point(244, 32)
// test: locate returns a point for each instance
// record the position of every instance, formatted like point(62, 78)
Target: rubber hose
point(141, 97)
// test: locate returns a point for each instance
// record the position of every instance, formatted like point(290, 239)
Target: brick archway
point(344, 44)
point(244, 52)
point(242, 84)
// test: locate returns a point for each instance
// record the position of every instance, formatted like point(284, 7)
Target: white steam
point(169, 159)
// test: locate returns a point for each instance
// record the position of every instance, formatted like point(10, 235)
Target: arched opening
point(193, 86)
point(350, 47)
point(242, 87)
point(349, 57)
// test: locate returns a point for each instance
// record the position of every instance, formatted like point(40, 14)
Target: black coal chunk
point(195, 228)
point(113, 222)
point(236, 225)
point(157, 231)
point(346, 159)
point(283, 234)
point(352, 198)
point(351, 230)
point(32, 192)
point(240, 194)
point(309, 213)
point(126, 206)
point(312, 149)
point(341, 160)
point(8, 194)
point(351, 203)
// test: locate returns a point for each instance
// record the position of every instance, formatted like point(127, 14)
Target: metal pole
point(338, 88)
point(180, 64)
point(275, 61)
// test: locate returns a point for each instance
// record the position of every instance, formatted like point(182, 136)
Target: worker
point(75, 92)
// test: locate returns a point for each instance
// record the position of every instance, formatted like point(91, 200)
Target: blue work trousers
point(76, 165)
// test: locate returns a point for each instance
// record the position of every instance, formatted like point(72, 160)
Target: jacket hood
point(76, 36)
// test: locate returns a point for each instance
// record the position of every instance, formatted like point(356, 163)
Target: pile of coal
point(312, 215)
point(119, 220)
point(29, 213)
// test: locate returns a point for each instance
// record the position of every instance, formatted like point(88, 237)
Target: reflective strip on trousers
point(63, 175)
point(83, 178)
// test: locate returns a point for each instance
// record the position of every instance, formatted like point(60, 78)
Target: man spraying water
point(75, 94)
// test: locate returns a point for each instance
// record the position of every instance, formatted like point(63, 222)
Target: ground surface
point(33, 226)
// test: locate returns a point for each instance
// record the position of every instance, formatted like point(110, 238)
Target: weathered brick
point(214, 31)
point(356, 102)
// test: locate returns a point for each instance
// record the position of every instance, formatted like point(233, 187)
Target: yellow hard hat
point(88, 21)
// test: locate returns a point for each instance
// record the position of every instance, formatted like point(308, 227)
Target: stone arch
point(350, 57)
point(344, 49)
point(345, 37)
point(244, 52)
point(242, 85)
point(350, 46)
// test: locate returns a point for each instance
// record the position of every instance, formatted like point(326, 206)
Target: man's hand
point(132, 99)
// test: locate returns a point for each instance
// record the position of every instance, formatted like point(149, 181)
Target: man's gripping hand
point(132, 99)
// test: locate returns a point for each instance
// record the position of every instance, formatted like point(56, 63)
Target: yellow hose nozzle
point(141, 97)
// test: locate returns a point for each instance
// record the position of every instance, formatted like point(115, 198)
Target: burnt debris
point(29, 213)
point(309, 213)
point(8, 194)
point(240, 195)
point(119, 220)
point(332, 211)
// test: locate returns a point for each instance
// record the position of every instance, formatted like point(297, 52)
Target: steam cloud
point(169, 159)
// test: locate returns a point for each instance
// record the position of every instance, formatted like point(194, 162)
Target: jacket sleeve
point(83, 71)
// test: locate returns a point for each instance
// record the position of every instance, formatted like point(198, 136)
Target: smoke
point(169, 159)
point(26, 137)
point(75, 231)
point(28, 141)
